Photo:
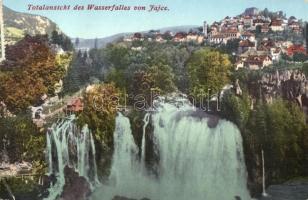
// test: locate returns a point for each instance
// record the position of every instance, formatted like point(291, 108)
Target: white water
point(263, 176)
point(68, 146)
point(195, 162)
point(146, 121)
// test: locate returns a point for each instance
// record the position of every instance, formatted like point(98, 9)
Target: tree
point(300, 57)
point(208, 70)
point(235, 109)
point(96, 43)
point(99, 114)
point(162, 77)
point(306, 35)
point(266, 12)
point(77, 42)
point(30, 71)
point(305, 68)
point(55, 37)
point(18, 132)
point(62, 40)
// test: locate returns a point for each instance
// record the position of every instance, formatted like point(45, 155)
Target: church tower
point(2, 42)
point(205, 28)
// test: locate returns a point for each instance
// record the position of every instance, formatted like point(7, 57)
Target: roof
point(248, 34)
point(296, 49)
point(246, 43)
point(276, 23)
point(76, 105)
point(256, 60)
point(180, 35)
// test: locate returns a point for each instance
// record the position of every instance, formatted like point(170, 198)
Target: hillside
point(17, 24)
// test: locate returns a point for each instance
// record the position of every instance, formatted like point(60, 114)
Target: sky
point(97, 24)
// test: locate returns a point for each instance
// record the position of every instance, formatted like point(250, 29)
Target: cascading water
point(195, 162)
point(68, 146)
point(263, 176)
point(146, 121)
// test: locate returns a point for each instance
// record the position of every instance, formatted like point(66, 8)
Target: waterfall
point(68, 146)
point(195, 162)
point(146, 121)
point(263, 176)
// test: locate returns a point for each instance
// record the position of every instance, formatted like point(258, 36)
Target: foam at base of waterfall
point(195, 162)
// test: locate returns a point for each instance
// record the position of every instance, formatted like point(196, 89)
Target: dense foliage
point(31, 70)
point(22, 139)
point(278, 128)
point(62, 40)
point(208, 70)
point(101, 103)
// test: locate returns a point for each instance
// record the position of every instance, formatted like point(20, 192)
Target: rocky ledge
point(125, 198)
point(288, 191)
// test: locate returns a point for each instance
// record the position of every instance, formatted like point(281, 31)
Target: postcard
point(153, 100)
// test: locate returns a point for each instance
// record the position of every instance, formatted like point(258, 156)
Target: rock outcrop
point(76, 187)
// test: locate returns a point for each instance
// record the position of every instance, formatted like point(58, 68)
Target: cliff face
point(18, 24)
point(291, 85)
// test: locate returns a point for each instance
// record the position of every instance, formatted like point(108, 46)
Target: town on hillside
point(258, 38)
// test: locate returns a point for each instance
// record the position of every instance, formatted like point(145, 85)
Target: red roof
point(180, 35)
point(75, 105)
point(296, 49)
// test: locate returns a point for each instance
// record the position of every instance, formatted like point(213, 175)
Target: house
point(257, 62)
point(294, 26)
point(239, 64)
point(276, 25)
point(275, 54)
point(231, 33)
point(295, 49)
point(218, 39)
point(245, 45)
point(159, 38)
point(265, 29)
point(194, 37)
point(137, 37)
point(248, 36)
point(75, 106)
point(248, 21)
point(268, 43)
point(180, 37)
point(258, 22)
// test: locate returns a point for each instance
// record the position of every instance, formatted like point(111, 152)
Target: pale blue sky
point(91, 24)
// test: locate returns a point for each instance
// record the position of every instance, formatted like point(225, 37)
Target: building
point(275, 54)
point(75, 106)
point(194, 37)
point(248, 36)
point(245, 45)
point(294, 26)
point(265, 29)
point(258, 62)
point(293, 49)
point(159, 38)
point(276, 25)
point(180, 37)
point(218, 39)
point(137, 37)
point(205, 29)
point(248, 21)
